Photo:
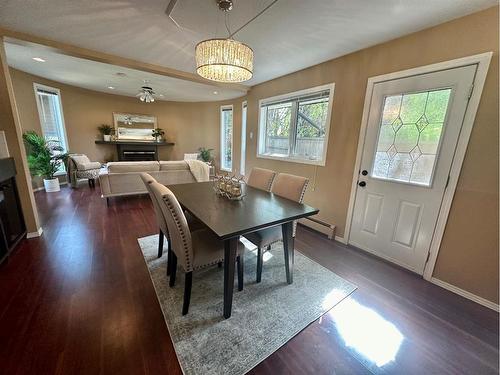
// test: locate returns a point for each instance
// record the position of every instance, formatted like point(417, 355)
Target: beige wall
point(469, 253)
point(189, 125)
point(10, 124)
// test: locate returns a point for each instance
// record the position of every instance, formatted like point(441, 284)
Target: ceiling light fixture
point(215, 92)
point(39, 59)
point(111, 87)
point(224, 60)
point(146, 93)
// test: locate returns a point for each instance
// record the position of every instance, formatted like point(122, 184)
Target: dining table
point(230, 219)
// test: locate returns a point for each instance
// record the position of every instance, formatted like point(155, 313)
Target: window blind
point(50, 114)
point(299, 98)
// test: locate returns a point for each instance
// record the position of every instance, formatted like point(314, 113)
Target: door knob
point(364, 172)
point(362, 183)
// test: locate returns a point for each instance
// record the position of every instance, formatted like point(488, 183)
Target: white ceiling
point(99, 76)
point(291, 35)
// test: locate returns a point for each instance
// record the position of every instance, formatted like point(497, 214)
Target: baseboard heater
point(331, 227)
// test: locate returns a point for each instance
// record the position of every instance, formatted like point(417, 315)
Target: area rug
point(264, 316)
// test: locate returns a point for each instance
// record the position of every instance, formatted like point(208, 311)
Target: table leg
point(288, 248)
point(230, 247)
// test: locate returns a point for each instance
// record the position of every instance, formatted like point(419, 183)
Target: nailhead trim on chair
point(303, 191)
point(209, 264)
point(151, 195)
point(183, 235)
point(270, 182)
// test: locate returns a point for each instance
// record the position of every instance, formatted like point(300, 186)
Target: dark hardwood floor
point(79, 300)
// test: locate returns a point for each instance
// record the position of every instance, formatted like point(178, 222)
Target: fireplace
point(12, 226)
point(132, 152)
point(136, 150)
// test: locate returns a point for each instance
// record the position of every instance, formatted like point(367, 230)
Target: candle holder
point(230, 187)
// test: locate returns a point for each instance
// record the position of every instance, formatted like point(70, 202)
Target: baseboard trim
point(38, 233)
point(341, 240)
point(322, 230)
point(465, 294)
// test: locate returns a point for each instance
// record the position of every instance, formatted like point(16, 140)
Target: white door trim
point(483, 61)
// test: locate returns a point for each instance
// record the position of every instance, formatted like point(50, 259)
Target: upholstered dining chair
point(261, 178)
point(193, 250)
point(287, 186)
point(162, 224)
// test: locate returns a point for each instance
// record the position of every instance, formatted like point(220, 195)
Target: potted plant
point(106, 131)
point(45, 158)
point(205, 154)
point(157, 134)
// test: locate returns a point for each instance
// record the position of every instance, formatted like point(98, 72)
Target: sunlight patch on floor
point(253, 249)
point(366, 331)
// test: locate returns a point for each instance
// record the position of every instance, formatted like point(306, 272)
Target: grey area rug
point(264, 316)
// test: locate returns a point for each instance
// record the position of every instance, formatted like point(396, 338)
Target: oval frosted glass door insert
point(410, 132)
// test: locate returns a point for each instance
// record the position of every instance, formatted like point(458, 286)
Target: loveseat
point(123, 178)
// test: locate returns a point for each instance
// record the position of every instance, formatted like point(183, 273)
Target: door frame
point(482, 61)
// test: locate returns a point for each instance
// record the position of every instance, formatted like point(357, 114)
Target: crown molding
point(24, 39)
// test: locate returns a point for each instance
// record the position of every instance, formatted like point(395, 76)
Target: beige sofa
point(123, 178)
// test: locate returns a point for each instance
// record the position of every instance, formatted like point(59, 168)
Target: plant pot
point(51, 185)
point(107, 137)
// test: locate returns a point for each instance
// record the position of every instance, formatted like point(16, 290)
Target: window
point(409, 136)
point(295, 126)
point(243, 137)
point(226, 138)
point(49, 105)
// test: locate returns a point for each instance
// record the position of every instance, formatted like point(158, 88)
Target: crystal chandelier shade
point(224, 60)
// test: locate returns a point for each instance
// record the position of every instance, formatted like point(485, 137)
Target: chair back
point(148, 180)
point(178, 229)
point(79, 159)
point(290, 186)
point(261, 178)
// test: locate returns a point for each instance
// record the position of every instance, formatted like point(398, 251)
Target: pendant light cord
point(227, 27)
point(251, 20)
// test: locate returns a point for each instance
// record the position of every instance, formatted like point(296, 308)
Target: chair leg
point(260, 260)
point(90, 183)
point(173, 269)
point(107, 201)
point(169, 255)
point(169, 263)
point(160, 244)
point(219, 264)
point(239, 263)
point(187, 292)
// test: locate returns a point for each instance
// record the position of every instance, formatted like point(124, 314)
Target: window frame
point(56, 91)
point(222, 142)
point(261, 137)
point(244, 118)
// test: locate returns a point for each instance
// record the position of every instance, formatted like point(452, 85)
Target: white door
point(412, 132)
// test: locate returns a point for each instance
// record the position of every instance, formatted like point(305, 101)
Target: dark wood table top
point(257, 210)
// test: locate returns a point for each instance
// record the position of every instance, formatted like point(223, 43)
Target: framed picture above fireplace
point(130, 126)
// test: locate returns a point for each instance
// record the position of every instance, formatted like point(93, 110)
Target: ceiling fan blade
point(170, 7)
